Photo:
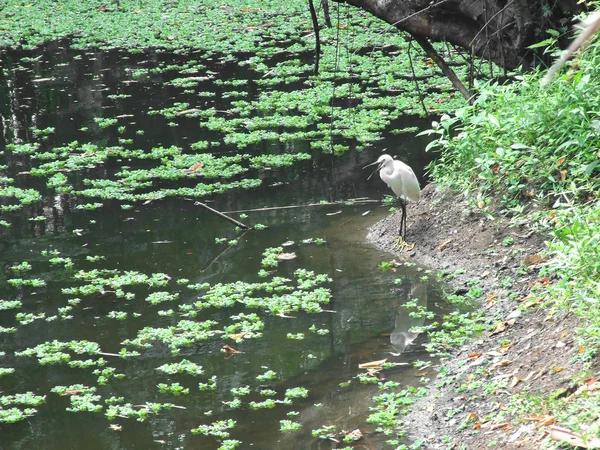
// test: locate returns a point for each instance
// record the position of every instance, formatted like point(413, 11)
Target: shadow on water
point(365, 322)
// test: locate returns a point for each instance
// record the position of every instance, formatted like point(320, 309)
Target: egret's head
point(382, 161)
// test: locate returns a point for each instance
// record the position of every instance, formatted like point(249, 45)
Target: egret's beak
point(372, 164)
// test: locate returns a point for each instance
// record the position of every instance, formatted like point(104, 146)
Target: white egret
point(403, 182)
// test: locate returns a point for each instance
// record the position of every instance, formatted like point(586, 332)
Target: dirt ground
point(530, 351)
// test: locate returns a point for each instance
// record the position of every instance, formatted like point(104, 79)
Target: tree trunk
point(498, 30)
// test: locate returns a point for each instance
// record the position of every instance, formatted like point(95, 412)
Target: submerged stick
point(220, 214)
point(272, 208)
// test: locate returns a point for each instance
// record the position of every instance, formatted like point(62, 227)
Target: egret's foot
point(400, 244)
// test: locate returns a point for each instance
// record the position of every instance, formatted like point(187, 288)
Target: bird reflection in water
point(401, 337)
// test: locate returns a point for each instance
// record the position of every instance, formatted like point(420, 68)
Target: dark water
point(176, 237)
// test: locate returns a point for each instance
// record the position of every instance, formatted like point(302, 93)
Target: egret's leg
point(401, 242)
point(403, 223)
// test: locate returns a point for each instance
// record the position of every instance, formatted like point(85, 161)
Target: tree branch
point(315, 23)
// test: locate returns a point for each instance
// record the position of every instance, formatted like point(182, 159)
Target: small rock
point(514, 315)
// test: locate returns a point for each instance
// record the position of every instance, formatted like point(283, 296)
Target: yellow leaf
point(491, 297)
point(515, 381)
point(505, 347)
point(499, 328)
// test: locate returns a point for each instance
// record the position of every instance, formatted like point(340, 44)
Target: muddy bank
point(523, 351)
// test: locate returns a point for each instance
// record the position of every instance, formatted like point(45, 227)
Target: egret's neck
point(388, 169)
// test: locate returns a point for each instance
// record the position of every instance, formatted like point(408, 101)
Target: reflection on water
point(366, 320)
point(401, 337)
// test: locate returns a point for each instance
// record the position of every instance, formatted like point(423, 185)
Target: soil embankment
point(526, 349)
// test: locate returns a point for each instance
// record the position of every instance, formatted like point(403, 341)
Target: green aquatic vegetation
point(26, 399)
point(210, 386)
point(297, 392)
point(266, 404)
point(217, 429)
point(288, 426)
point(6, 371)
point(456, 329)
point(240, 391)
point(269, 375)
point(283, 298)
point(42, 133)
point(117, 315)
point(267, 392)
point(90, 206)
point(87, 363)
point(184, 334)
point(65, 261)
point(29, 148)
point(173, 388)
point(116, 281)
point(270, 257)
point(27, 318)
point(318, 241)
point(236, 403)
point(390, 406)
point(325, 432)
point(5, 224)
point(55, 352)
point(64, 311)
point(95, 258)
point(9, 413)
point(106, 374)
point(7, 330)
point(85, 403)
point(58, 182)
point(229, 444)
point(296, 336)
point(160, 297)
point(114, 400)
point(105, 122)
point(246, 326)
point(184, 366)
point(128, 410)
point(24, 196)
point(21, 267)
point(367, 378)
point(12, 415)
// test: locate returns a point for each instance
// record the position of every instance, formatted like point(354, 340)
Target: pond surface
point(96, 265)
